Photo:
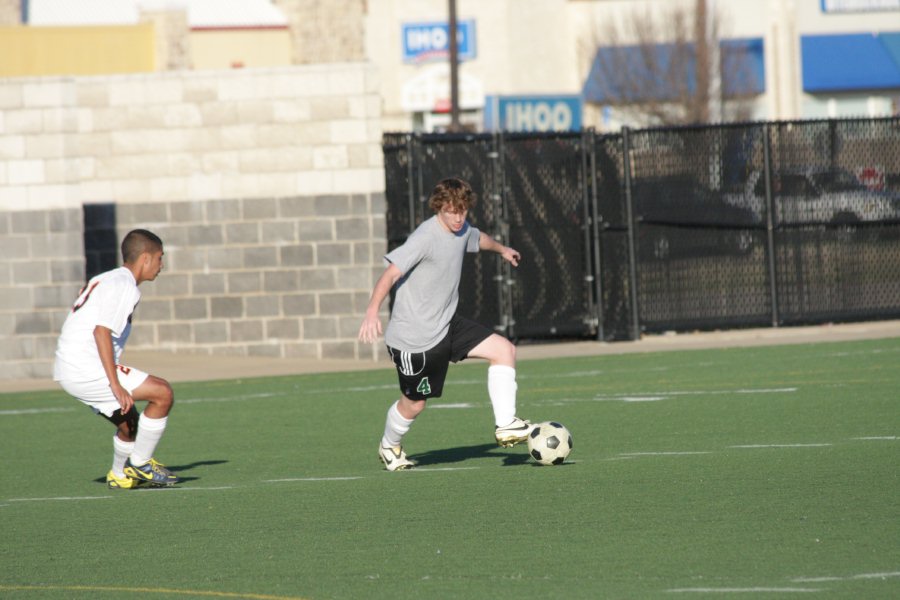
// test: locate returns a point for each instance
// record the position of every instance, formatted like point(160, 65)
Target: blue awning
point(851, 62)
point(643, 73)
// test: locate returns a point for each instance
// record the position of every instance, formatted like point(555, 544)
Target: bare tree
point(666, 68)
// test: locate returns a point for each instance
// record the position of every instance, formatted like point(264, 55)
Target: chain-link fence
point(669, 229)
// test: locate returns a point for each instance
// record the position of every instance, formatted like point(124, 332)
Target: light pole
point(454, 71)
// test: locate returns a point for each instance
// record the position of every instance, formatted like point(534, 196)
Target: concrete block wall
point(41, 269)
point(326, 31)
point(282, 277)
point(266, 185)
point(10, 12)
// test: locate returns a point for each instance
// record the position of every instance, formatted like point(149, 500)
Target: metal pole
point(454, 71)
point(632, 254)
point(411, 184)
point(500, 229)
point(592, 229)
point(715, 62)
point(420, 184)
point(770, 225)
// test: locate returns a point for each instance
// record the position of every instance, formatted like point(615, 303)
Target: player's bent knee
point(166, 395)
point(511, 349)
point(504, 351)
point(496, 349)
point(156, 391)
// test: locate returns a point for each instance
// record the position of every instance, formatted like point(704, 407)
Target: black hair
point(138, 241)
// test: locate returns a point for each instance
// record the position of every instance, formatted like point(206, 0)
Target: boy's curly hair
point(452, 191)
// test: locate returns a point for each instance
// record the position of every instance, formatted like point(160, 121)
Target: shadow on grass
point(178, 469)
point(463, 453)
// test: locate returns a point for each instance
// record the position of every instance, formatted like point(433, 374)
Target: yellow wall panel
point(235, 48)
point(30, 51)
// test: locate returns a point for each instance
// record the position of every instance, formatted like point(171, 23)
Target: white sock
point(395, 427)
point(502, 391)
point(121, 452)
point(148, 435)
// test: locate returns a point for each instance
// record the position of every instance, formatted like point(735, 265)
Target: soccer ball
point(549, 443)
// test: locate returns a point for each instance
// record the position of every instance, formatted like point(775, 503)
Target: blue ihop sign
point(427, 41)
point(532, 113)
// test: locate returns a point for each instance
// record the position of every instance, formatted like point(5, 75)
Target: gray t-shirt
point(431, 261)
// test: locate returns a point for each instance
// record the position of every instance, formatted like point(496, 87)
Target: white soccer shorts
point(97, 395)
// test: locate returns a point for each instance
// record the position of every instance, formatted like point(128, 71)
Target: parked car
point(818, 196)
point(686, 218)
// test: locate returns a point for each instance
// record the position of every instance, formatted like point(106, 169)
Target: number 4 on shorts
point(424, 387)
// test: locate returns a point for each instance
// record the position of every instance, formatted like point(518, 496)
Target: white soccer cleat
point(514, 433)
point(394, 459)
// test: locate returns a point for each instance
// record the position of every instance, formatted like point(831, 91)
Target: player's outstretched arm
point(371, 325)
point(486, 242)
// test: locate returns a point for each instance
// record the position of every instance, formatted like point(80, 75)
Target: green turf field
point(763, 472)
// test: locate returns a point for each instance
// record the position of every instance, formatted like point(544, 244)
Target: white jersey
point(109, 299)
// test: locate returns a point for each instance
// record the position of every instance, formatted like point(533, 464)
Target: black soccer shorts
point(422, 374)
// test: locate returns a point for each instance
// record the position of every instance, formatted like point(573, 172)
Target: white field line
point(888, 575)
point(755, 446)
point(311, 479)
point(436, 469)
point(230, 398)
point(862, 352)
point(361, 388)
point(673, 453)
point(172, 488)
point(457, 405)
point(35, 411)
point(634, 399)
point(590, 373)
point(386, 386)
point(876, 437)
point(62, 498)
point(656, 396)
point(746, 590)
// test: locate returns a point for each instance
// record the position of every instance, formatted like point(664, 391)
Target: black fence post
point(418, 153)
point(632, 250)
point(410, 179)
point(592, 229)
point(770, 225)
point(500, 231)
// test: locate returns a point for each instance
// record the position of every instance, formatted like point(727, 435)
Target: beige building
point(546, 47)
point(522, 50)
point(513, 47)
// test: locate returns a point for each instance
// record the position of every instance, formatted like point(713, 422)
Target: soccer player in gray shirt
point(424, 333)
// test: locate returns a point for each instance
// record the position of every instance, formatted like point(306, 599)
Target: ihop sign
point(427, 41)
point(533, 113)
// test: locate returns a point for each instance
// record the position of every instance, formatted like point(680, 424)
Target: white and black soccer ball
point(549, 443)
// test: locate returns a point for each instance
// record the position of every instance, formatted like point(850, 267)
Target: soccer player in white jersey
point(424, 333)
point(88, 367)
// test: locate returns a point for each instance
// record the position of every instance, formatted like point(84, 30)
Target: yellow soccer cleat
point(153, 472)
point(120, 483)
